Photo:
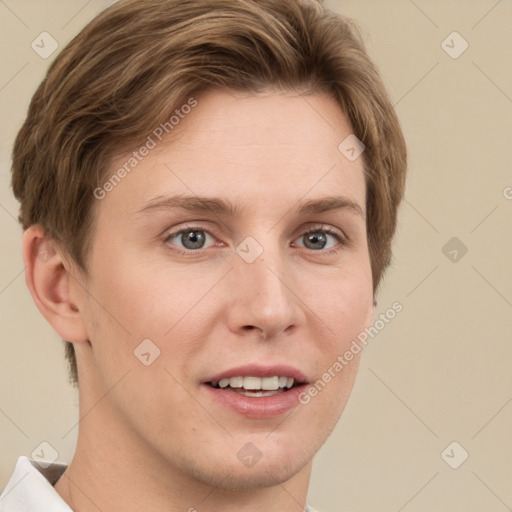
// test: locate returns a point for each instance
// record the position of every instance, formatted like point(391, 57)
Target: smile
point(255, 386)
point(257, 391)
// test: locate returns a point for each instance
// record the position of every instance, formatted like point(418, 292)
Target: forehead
point(263, 126)
point(271, 148)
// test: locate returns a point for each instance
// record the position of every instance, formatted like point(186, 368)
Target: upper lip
point(257, 370)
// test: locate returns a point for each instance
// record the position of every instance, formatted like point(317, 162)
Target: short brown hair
point(130, 68)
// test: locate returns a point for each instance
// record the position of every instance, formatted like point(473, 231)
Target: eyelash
point(342, 240)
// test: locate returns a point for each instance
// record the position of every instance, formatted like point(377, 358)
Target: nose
point(263, 297)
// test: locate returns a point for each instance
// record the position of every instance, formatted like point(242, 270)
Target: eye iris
point(193, 239)
point(315, 240)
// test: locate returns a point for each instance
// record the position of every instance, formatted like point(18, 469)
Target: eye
point(190, 238)
point(319, 239)
point(195, 238)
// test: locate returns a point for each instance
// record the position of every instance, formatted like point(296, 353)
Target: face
point(237, 249)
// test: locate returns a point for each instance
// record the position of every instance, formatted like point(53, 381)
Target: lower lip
point(257, 407)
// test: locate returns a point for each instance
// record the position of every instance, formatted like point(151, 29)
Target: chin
point(236, 477)
point(272, 463)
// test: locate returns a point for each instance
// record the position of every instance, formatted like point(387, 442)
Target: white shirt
point(30, 488)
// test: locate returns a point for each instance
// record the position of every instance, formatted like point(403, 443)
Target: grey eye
point(190, 239)
point(318, 240)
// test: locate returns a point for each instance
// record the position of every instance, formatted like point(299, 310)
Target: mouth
point(256, 386)
point(257, 391)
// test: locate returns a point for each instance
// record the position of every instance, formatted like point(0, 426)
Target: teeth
point(236, 382)
point(223, 383)
point(270, 383)
point(252, 383)
point(256, 383)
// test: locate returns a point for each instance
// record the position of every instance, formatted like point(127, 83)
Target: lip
point(265, 407)
point(257, 370)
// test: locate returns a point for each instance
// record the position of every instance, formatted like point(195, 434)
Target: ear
point(50, 283)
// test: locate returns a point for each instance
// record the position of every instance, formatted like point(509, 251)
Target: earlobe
point(49, 280)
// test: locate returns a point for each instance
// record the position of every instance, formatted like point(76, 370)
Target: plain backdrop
point(439, 372)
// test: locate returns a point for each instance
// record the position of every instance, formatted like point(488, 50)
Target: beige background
point(440, 371)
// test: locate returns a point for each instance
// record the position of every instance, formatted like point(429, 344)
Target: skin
point(149, 436)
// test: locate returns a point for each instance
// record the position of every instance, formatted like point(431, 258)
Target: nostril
point(262, 333)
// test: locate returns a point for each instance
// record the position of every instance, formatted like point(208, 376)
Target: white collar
point(30, 488)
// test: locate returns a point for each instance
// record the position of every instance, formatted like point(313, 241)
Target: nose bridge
point(263, 297)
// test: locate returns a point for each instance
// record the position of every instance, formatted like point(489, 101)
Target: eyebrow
point(228, 209)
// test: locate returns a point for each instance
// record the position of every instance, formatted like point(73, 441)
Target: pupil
point(193, 239)
point(316, 241)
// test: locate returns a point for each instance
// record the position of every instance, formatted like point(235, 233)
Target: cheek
point(355, 309)
point(345, 305)
point(132, 304)
point(126, 293)
point(347, 310)
point(118, 311)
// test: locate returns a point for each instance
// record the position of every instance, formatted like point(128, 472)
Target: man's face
point(259, 270)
